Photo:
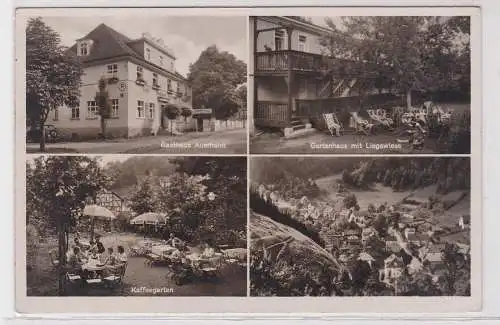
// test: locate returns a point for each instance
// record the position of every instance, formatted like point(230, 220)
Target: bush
point(350, 201)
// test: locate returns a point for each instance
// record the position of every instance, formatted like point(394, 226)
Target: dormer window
point(161, 60)
point(148, 54)
point(83, 47)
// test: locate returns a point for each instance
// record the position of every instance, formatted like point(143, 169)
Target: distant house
point(367, 233)
point(464, 221)
point(393, 269)
point(409, 231)
point(416, 239)
point(364, 256)
point(112, 201)
point(359, 218)
point(392, 244)
point(434, 256)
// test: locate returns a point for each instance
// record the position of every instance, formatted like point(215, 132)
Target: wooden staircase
point(297, 124)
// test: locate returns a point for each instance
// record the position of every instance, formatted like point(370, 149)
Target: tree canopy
point(422, 53)
point(52, 76)
point(214, 78)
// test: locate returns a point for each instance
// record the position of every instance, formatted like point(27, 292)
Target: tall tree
point(145, 197)
point(214, 78)
point(57, 188)
point(52, 76)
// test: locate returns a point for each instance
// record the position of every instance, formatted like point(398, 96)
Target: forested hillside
point(398, 172)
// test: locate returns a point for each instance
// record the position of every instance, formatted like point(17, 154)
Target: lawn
point(320, 142)
point(377, 196)
point(42, 280)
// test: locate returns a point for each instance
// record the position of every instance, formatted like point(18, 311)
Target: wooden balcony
point(271, 114)
point(279, 62)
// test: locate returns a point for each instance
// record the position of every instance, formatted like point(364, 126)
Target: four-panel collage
point(247, 155)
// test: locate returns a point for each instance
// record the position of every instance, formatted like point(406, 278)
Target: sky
point(186, 36)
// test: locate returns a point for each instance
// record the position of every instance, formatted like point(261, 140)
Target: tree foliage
point(52, 76)
point(422, 53)
point(214, 78)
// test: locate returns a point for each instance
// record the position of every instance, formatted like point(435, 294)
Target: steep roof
point(109, 43)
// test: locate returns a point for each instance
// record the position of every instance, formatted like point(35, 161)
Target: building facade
point(141, 81)
point(292, 76)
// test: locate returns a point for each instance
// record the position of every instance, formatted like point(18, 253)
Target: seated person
point(121, 257)
point(109, 258)
point(176, 256)
point(75, 259)
point(174, 241)
point(100, 246)
point(78, 244)
point(208, 251)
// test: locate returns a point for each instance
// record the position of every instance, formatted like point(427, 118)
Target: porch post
point(289, 31)
point(252, 78)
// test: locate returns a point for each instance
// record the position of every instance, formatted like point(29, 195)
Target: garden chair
point(116, 277)
point(153, 259)
point(362, 126)
point(333, 124)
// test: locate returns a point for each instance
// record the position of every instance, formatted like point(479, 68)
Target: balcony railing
point(271, 114)
point(281, 60)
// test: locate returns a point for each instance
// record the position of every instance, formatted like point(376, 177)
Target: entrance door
point(199, 124)
point(162, 116)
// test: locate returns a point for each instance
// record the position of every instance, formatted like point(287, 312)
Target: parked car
point(33, 134)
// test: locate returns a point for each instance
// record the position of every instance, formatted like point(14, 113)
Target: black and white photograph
point(360, 226)
point(136, 226)
point(360, 84)
point(136, 84)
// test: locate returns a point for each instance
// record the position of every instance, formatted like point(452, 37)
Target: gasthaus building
point(142, 84)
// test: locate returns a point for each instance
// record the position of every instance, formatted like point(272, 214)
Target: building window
point(302, 43)
point(113, 70)
point(279, 40)
point(56, 114)
point(161, 60)
point(75, 113)
point(155, 80)
point(140, 73)
point(169, 85)
point(151, 111)
point(172, 65)
point(114, 107)
point(179, 89)
point(148, 54)
point(92, 111)
point(84, 49)
point(140, 109)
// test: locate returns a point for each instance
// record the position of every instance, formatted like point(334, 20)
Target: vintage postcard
point(335, 84)
point(157, 85)
point(348, 180)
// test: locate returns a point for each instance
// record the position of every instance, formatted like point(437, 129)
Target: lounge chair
point(333, 124)
point(361, 125)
